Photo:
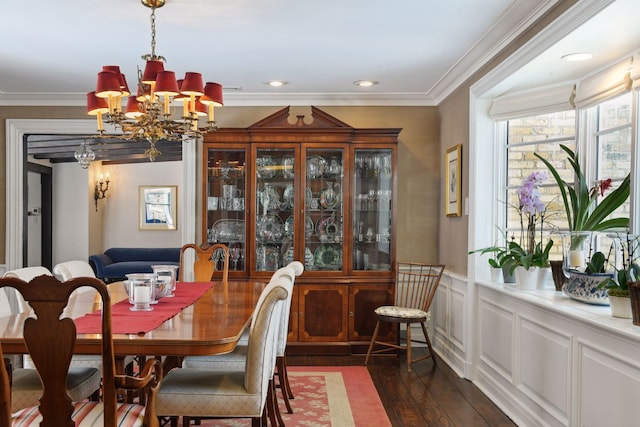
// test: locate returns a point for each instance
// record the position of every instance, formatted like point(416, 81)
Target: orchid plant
point(583, 213)
point(532, 210)
point(529, 251)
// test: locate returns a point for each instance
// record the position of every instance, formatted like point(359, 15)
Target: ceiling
point(418, 51)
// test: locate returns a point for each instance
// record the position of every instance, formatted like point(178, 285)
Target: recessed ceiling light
point(577, 56)
point(365, 83)
point(276, 83)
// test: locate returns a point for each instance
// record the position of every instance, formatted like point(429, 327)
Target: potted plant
point(524, 257)
point(583, 213)
point(528, 265)
point(499, 262)
point(584, 285)
point(627, 272)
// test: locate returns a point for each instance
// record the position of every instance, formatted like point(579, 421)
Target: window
point(612, 140)
point(604, 145)
point(540, 134)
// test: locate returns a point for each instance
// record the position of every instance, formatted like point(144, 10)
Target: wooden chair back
point(204, 264)
point(48, 334)
point(416, 284)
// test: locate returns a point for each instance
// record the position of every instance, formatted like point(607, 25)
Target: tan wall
point(454, 129)
point(419, 169)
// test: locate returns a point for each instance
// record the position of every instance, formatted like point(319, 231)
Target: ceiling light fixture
point(365, 83)
point(84, 155)
point(147, 115)
point(577, 56)
point(276, 83)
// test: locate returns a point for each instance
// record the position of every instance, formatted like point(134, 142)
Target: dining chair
point(415, 287)
point(83, 381)
point(236, 360)
point(81, 299)
point(26, 387)
point(223, 393)
point(49, 333)
point(26, 274)
point(205, 262)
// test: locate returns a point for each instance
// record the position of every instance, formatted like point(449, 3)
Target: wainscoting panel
point(609, 387)
point(496, 334)
point(449, 319)
point(458, 305)
point(544, 366)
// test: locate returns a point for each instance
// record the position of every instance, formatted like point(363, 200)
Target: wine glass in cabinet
point(373, 208)
point(225, 195)
point(324, 209)
point(275, 219)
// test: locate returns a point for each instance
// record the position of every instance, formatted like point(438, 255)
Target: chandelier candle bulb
point(167, 104)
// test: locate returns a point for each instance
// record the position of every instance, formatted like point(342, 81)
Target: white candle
point(576, 258)
point(141, 294)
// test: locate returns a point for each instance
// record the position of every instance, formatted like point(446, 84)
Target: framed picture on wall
point(158, 207)
point(453, 191)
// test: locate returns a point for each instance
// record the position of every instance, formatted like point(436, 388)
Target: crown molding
point(580, 13)
point(511, 24)
point(242, 99)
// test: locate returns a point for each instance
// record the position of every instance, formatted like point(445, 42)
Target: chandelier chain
point(153, 32)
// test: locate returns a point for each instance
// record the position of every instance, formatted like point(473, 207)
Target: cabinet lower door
point(363, 300)
point(322, 315)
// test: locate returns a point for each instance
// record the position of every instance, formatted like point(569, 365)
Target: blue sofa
point(115, 263)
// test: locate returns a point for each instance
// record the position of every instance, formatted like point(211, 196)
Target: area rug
point(338, 396)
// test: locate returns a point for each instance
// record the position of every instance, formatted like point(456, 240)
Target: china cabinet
point(319, 192)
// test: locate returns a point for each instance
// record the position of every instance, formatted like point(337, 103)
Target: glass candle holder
point(166, 279)
point(142, 291)
point(576, 250)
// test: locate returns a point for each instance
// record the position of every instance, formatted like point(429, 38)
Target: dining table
point(211, 324)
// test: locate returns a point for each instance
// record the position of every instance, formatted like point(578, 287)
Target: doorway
point(38, 216)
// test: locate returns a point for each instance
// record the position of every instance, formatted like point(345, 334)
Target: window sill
point(595, 315)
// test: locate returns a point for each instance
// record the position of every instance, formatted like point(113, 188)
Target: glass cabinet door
point(372, 196)
point(275, 217)
point(324, 209)
point(225, 199)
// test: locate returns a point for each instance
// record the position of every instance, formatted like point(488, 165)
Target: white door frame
point(16, 130)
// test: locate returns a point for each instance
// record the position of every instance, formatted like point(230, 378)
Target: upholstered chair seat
point(26, 387)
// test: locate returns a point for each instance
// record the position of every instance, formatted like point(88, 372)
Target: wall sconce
point(101, 189)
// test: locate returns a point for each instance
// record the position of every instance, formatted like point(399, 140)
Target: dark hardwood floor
point(425, 397)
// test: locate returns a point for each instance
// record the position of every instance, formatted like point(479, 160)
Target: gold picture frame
point(158, 207)
point(453, 190)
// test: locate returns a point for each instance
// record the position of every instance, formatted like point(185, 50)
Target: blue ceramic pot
point(583, 287)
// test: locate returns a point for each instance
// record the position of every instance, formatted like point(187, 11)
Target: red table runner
point(125, 321)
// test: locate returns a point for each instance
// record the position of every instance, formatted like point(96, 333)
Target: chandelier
point(148, 115)
point(84, 155)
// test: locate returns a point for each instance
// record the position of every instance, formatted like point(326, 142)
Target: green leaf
point(578, 201)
